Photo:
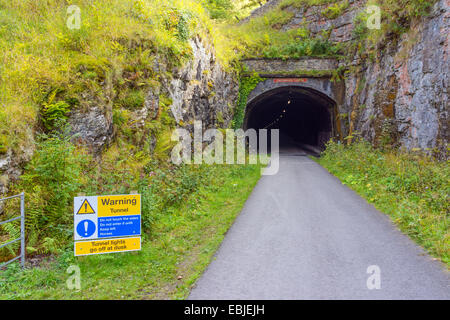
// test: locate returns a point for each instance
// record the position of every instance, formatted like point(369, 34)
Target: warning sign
point(106, 218)
point(85, 218)
point(83, 248)
point(112, 206)
point(86, 208)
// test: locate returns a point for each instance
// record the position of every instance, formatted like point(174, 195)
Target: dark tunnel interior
point(303, 116)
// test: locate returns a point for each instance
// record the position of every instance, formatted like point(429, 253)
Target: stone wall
point(289, 66)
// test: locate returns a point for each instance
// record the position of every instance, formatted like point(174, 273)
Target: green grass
point(181, 243)
point(412, 189)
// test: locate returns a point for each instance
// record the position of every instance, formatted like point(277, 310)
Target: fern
point(54, 112)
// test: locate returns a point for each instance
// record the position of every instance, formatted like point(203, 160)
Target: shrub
point(3, 144)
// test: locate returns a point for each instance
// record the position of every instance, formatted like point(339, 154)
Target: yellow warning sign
point(86, 208)
point(126, 205)
point(83, 248)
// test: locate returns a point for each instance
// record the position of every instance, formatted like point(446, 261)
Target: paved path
point(304, 235)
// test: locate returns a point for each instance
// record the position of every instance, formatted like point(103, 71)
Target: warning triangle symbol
point(86, 208)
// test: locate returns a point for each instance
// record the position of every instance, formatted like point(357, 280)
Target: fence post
point(22, 229)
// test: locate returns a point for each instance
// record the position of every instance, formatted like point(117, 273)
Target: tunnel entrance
point(304, 116)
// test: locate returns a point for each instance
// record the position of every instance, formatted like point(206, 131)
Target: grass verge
point(173, 256)
point(412, 189)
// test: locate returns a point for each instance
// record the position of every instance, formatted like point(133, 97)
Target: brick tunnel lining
point(303, 115)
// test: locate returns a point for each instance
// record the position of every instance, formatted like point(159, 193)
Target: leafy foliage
point(53, 111)
point(112, 59)
point(133, 100)
point(246, 86)
point(167, 188)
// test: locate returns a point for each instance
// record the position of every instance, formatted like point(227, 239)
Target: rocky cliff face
point(402, 94)
point(340, 27)
point(11, 164)
point(200, 90)
point(405, 91)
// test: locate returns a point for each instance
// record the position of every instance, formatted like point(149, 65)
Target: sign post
point(107, 224)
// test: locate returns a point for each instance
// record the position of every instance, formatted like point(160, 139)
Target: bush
point(54, 112)
point(246, 86)
point(183, 32)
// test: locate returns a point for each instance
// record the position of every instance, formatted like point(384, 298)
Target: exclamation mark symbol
point(86, 228)
point(85, 206)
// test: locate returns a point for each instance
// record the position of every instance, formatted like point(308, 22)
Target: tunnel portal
point(304, 116)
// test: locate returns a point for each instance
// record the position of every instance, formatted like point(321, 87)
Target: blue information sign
point(119, 226)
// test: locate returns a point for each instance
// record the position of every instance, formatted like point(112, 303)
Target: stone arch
point(304, 109)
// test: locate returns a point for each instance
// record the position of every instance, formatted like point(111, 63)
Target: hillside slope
point(92, 109)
